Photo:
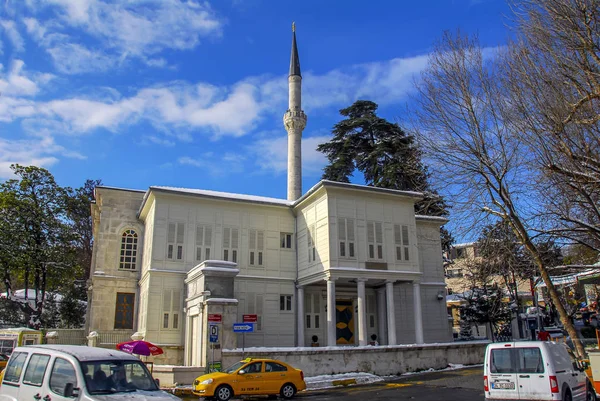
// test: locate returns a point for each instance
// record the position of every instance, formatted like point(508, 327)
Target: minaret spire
point(294, 121)
point(294, 60)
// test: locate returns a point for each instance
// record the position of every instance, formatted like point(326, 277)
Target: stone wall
point(384, 360)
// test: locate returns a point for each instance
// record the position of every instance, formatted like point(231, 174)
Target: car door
point(503, 371)
point(33, 378)
point(62, 373)
point(250, 379)
point(274, 377)
point(12, 376)
point(533, 380)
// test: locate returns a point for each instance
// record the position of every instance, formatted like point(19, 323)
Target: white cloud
point(216, 165)
point(11, 32)
point(115, 31)
point(271, 154)
point(160, 141)
point(72, 58)
point(17, 82)
point(39, 151)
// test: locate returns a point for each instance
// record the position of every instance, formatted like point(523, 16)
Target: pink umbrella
point(140, 347)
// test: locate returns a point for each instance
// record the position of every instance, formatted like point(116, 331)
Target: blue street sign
point(214, 333)
point(243, 327)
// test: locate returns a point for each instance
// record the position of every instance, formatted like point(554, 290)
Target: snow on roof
point(464, 244)
point(85, 353)
point(120, 189)
point(20, 294)
point(439, 219)
point(225, 195)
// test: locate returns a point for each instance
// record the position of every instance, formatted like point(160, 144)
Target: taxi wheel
point(223, 393)
point(288, 390)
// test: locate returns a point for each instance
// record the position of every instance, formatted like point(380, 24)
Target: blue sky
point(192, 93)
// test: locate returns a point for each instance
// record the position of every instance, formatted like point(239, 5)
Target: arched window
point(129, 241)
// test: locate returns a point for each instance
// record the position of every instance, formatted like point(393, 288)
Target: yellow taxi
point(3, 361)
point(251, 377)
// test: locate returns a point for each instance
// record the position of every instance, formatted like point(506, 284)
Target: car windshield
point(235, 367)
point(107, 377)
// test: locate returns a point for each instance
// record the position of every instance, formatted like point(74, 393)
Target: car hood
point(138, 395)
point(214, 376)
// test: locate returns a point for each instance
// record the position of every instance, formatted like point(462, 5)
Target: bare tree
point(553, 75)
point(462, 124)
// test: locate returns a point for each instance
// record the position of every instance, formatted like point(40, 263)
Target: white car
point(533, 370)
point(72, 372)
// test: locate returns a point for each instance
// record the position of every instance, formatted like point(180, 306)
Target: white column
point(300, 316)
point(331, 337)
point(362, 312)
point(418, 315)
point(391, 312)
point(381, 317)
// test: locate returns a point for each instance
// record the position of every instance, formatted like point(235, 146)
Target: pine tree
point(466, 332)
point(385, 155)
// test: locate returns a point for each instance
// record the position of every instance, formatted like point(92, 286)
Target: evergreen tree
point(50, 314)
point(385, 155)
point(72, 310)
point(486, 306)
point(466, 332)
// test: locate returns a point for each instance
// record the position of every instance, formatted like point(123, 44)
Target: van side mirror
point(70, 391)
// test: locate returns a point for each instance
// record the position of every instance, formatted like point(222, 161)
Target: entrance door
point(344, 322)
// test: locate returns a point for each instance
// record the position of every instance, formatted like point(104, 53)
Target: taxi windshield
point(235, 367)
point(108, 377)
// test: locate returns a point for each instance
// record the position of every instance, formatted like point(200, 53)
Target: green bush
point(588, 332)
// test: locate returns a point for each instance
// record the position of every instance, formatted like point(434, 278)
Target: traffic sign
point(243, 327)
point(214, 333)
point(250, 318)
point(215, 318)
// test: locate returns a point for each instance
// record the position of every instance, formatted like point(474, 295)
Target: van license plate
point(503, 386)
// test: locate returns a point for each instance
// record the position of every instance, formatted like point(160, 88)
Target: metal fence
point(67, 337)
point(114, 337)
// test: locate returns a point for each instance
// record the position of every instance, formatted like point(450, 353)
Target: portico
point(375, 315)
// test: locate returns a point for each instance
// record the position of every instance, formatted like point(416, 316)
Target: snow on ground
point(327, 381)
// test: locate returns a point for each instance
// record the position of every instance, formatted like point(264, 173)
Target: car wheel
point(567, 396)
point(223, 393)
point(288, 390)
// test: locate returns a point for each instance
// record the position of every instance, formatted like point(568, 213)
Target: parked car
point(251, 377)
point(69, 372)
point(3, 361)
point(533, 370)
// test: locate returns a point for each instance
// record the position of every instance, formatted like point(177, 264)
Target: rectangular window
point(15, 367)
point(312, 309)
point(516, 360)
point(124, 311)
point(286, 240)
point(254, 306)
point(401, 242)
point(203, 242)
point(285, 302)
point(175, 240)
point(346, 237)
point(311, 239)
point(230, 244)
point(171, 308)
point(36, 369)
point(256, 245)
point(375, 240)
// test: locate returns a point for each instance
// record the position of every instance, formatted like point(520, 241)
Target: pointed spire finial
point(295, 60)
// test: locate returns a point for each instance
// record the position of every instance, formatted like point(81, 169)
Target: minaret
point(294, 121)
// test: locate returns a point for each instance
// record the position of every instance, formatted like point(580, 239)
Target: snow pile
point(327, 381)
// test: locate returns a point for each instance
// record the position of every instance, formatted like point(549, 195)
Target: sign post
point(243, 328)
point(214, 338)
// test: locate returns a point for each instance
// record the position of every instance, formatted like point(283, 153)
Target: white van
point(533, 370)
point(72, 372)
